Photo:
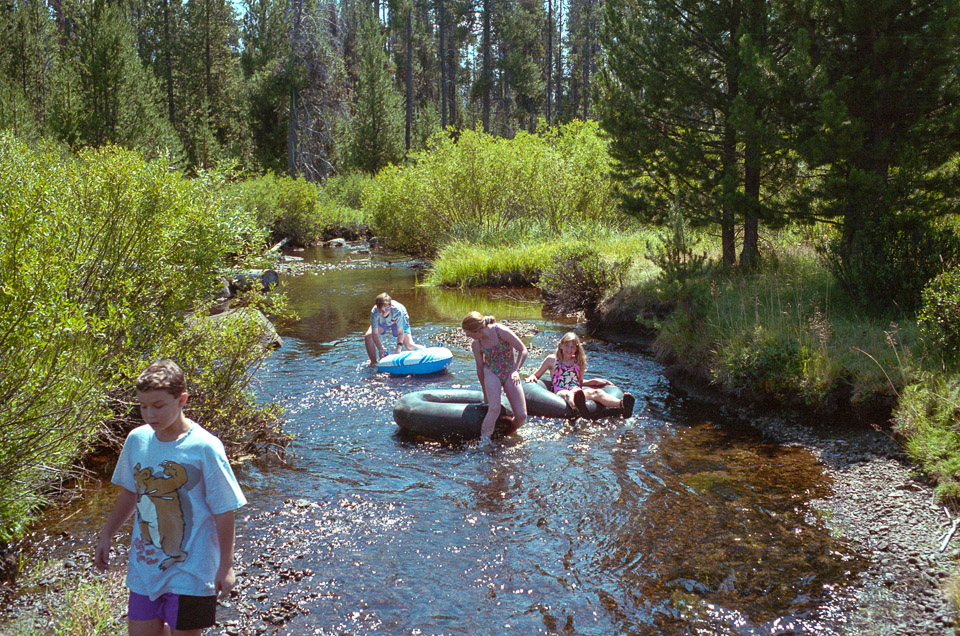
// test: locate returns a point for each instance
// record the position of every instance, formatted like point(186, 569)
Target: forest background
point(768, 187)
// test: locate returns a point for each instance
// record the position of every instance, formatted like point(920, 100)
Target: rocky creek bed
point(884, 511)
point(887, 515)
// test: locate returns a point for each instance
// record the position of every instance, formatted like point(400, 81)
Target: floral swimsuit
point(565, 376)
point(499, 358)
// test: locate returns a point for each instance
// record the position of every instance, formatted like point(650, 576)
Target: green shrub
point(577, 278)
point(286, 207)
point(104, 255)
point(771, 364)
point(893, 261)
point(347, 189)
point(481, 183)
point(939, 317)
point(927, 415)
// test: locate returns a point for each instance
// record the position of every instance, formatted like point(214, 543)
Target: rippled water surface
point(675, 521)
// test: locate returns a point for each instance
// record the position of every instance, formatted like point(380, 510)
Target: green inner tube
point(447, 413)
point(543, 402)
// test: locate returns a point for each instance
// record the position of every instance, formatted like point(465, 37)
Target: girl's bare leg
point(491, 389)
point(514, 391)
point(601, 397)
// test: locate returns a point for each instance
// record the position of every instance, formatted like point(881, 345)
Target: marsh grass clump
point(577, 278)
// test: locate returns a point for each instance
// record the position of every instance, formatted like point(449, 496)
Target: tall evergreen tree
point(265, 88)
point(686, 97)
point(212, 126)
point(107, 95)
point(883, 127)
point(29, 64)
point(376, 135)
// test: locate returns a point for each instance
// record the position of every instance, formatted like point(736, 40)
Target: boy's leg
point(153, 627)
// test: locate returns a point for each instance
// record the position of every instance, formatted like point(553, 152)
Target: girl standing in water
point(493, 347)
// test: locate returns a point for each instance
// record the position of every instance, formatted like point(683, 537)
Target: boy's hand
point(101, 556)
point(226, 579)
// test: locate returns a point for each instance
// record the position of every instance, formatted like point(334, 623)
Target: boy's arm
point(126, 504)
point(226, 578)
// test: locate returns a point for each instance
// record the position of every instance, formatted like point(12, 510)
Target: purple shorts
point(179, 611)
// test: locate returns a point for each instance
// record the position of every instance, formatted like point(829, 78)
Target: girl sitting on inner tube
point(566, 368)
point(493, 346)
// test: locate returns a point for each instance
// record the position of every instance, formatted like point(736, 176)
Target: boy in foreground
point(175, 475)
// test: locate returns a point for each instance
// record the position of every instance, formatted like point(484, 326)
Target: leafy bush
point(103, 257)
point(939, 317)
point(285, 206)
point(577, 278)
point(476, 182)
point(347, 189)
point(298, 210)
point(893, 261)
point(770, 364)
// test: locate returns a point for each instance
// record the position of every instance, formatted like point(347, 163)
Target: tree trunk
point(487, 79)
point(728, 240)
point(292, 119)
point(171, 108)
point(549, 61)
point(750, 253)
point(559, 60)
point(442, 26)
point(409, 85)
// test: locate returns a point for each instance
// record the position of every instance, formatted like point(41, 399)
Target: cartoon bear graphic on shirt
point(159, 510)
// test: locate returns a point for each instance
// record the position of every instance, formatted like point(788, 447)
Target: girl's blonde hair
point(475, 321)
point(580, 356)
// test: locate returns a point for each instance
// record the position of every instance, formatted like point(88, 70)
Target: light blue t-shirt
point(180, 485)
point(398, 318)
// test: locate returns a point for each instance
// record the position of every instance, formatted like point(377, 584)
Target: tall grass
point(515, 259)
point(74, 605)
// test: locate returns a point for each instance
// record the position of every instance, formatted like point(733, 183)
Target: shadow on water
point(676, 521)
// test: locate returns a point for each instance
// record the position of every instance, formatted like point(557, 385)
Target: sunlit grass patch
point(72, 605)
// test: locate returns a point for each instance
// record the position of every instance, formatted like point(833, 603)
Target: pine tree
point(881, 122)
point(212, 125)
point(376, 135)
point(105, 94)
point(687, 96)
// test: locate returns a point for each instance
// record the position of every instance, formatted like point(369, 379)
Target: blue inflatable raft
point(420, 361)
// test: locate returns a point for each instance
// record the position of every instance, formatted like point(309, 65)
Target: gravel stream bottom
point(889, 516)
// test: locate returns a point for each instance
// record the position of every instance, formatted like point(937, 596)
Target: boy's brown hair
point(163, 375)
point(383, 300)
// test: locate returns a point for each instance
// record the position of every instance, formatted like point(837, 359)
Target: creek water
point(679, 520)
